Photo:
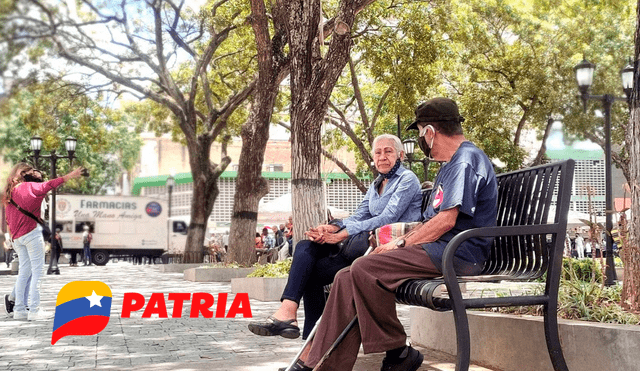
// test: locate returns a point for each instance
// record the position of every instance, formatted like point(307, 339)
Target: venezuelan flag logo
point(82, 308)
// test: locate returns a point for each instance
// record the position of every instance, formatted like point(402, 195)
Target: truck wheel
point(99, 257)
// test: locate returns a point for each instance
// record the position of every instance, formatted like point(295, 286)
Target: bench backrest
point(533, 196)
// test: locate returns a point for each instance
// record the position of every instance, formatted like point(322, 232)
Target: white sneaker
point(39, 315)
point(20, 315)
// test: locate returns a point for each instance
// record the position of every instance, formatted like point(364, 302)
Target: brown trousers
point(366, 288)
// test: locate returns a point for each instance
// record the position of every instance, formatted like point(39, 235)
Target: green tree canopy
point(55, 111)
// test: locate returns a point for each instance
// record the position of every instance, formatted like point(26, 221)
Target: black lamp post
point(36, 147)
point(409, 150)
point(584, 76)
point(171, 182)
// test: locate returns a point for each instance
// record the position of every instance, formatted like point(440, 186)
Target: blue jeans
point(314, 266)
point(87, 254)
point(30, 249)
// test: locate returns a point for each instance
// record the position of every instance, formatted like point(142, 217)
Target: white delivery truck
point(121, 226)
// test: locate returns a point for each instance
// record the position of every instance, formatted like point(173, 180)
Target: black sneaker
point(8, 305)
point(410, 360)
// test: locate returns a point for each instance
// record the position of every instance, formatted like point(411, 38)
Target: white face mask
point(422, 143)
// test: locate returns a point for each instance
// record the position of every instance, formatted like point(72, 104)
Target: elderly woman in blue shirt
point(393, 197)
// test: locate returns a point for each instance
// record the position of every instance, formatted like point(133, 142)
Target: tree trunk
point(205, 192)
point(631, 284)
point(307, 193)
point(250, 185)
point(543, 145)
point(313, 77)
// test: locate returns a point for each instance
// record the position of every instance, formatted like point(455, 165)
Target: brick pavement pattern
point(159, 344)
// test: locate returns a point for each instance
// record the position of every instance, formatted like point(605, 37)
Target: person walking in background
point(289, 234)
point(268, 240)
point(225, 241)
point(279, 235)
point(86, 243)
point(56, 249)
point(23, 194)
point(580, 246)
point(8, 249)
point(587, 247)
point(567, 246)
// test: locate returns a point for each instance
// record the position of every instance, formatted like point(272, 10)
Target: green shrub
point(586, 270)
point(581, 298)
point(592, 301)
point(279, 269)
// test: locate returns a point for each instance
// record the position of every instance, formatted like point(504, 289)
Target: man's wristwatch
point(401, 242)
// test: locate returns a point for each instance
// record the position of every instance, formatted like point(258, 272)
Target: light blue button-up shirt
point(399, 202)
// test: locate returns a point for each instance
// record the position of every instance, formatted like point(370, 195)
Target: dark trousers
point(73, 259)
point(8, 257)
point(366, 288)
point(314, 266)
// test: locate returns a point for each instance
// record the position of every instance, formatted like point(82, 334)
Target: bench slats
point(525, 197)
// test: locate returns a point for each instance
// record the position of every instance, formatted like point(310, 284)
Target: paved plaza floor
point(158, 344)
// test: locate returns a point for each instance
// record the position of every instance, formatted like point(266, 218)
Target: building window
point(275, 167)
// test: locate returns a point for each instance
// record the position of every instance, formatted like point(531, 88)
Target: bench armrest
point(448, 271)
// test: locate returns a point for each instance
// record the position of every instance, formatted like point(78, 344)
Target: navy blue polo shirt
point(468, 182)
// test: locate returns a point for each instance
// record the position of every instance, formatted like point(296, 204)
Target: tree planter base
point(215, 274)
point(260, 288)
point(516, 343)
point(178, 268)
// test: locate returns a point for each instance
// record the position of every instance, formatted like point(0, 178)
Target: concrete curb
point(260, 288)
point(517, 343)
point(215, 274)
point(178, 268)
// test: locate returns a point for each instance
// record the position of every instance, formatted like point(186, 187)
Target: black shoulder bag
point(353, 246)
point(46, 231)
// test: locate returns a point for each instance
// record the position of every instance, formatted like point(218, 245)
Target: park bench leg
point(462, 328)
point(553, 339)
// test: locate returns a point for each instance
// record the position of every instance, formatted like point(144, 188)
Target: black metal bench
point(527, 246)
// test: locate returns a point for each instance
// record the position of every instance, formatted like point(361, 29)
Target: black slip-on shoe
point(273, 327)
point(8, 305)
point(410, 360)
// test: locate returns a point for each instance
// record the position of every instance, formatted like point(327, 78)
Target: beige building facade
point(161, 155)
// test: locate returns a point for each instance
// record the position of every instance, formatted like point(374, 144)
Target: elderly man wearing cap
point(464, 197)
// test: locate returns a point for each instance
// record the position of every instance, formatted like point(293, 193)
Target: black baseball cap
point(436, 109)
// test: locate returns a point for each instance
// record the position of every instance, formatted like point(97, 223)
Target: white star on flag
point(94, 299)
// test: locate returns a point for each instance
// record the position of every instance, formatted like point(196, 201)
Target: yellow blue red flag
point(82, 308)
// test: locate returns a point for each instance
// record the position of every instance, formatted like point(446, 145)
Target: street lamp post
point(171, 182)
point(36, 147)
point(584, 76)
point(409, 149)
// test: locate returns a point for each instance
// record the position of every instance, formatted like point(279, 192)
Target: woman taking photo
point(25, 189)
